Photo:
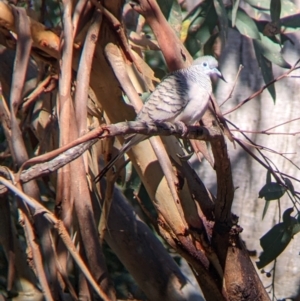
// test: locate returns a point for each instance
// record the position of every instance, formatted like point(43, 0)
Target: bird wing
point(167, 101)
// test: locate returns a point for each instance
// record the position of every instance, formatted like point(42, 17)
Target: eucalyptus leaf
point(223, 19)
point(291, 223)
point(197, 11)
point(287, 218)
point(296, 229)
point(266, 207)
point(244, 24)
point(259, 4)
point(276, 239)
point(53, 15)
point(193, 20)
point(271, 51)
point(272, 191)
point(166, 7)
point(292, 21)
point(196, 24)
point(197, 41)
point(235, 7)
point(287, 6)
point(175, 17)
point(290, 185)
point(266, 69)
point(208, 47)
point(172, 12)
point(200, 30)
point(273, 244)
point(275, 9)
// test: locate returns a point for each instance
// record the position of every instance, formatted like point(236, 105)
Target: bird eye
point(204, 64)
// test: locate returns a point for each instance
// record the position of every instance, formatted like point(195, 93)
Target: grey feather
point(182, 95)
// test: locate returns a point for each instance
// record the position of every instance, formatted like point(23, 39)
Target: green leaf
point(296, 229)
point(197, 11)
point(273, 243)
point(288, 8)
point(275, 9)
point(290, 222)
point(291, 21)
point(290, 185)
point(245, 24)
point(266, 69)
point(166, 7)
point(196, 25)
point(271, 51)
point(201, 37)
point(287, 218)
point(235, 7)
point(223, 20)
point(259, 4)
point(208, 47)
point(201, 29)
point(271, 191)
point(53, 13)
point(267, 203)
point(192, 22)
point(172, 12)
point(175, 17)
point(276, 240)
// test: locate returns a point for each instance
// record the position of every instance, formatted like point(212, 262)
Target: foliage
point(44, 114)
point(264, 26)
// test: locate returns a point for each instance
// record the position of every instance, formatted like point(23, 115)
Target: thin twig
point(263, 88)
point(283, 123)
point(265, 165)
point(36, 92)
point(267, 131)
point(234, 85)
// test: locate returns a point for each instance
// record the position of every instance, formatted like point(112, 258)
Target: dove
point(182, 96)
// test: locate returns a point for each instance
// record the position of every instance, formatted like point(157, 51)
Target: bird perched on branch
point(182, 96)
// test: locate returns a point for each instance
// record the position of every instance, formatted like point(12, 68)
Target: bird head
point(209, 65)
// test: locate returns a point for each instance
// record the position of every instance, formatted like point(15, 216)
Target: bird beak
point(219, 74)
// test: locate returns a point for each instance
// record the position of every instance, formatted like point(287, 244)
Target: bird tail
point(131, 141)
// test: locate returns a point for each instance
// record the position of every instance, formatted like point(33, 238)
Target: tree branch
point(52, 161)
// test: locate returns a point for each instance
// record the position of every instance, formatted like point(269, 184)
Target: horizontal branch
point(177, 129)
point(52, 161)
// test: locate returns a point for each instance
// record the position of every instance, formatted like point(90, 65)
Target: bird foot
point(183, 128)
